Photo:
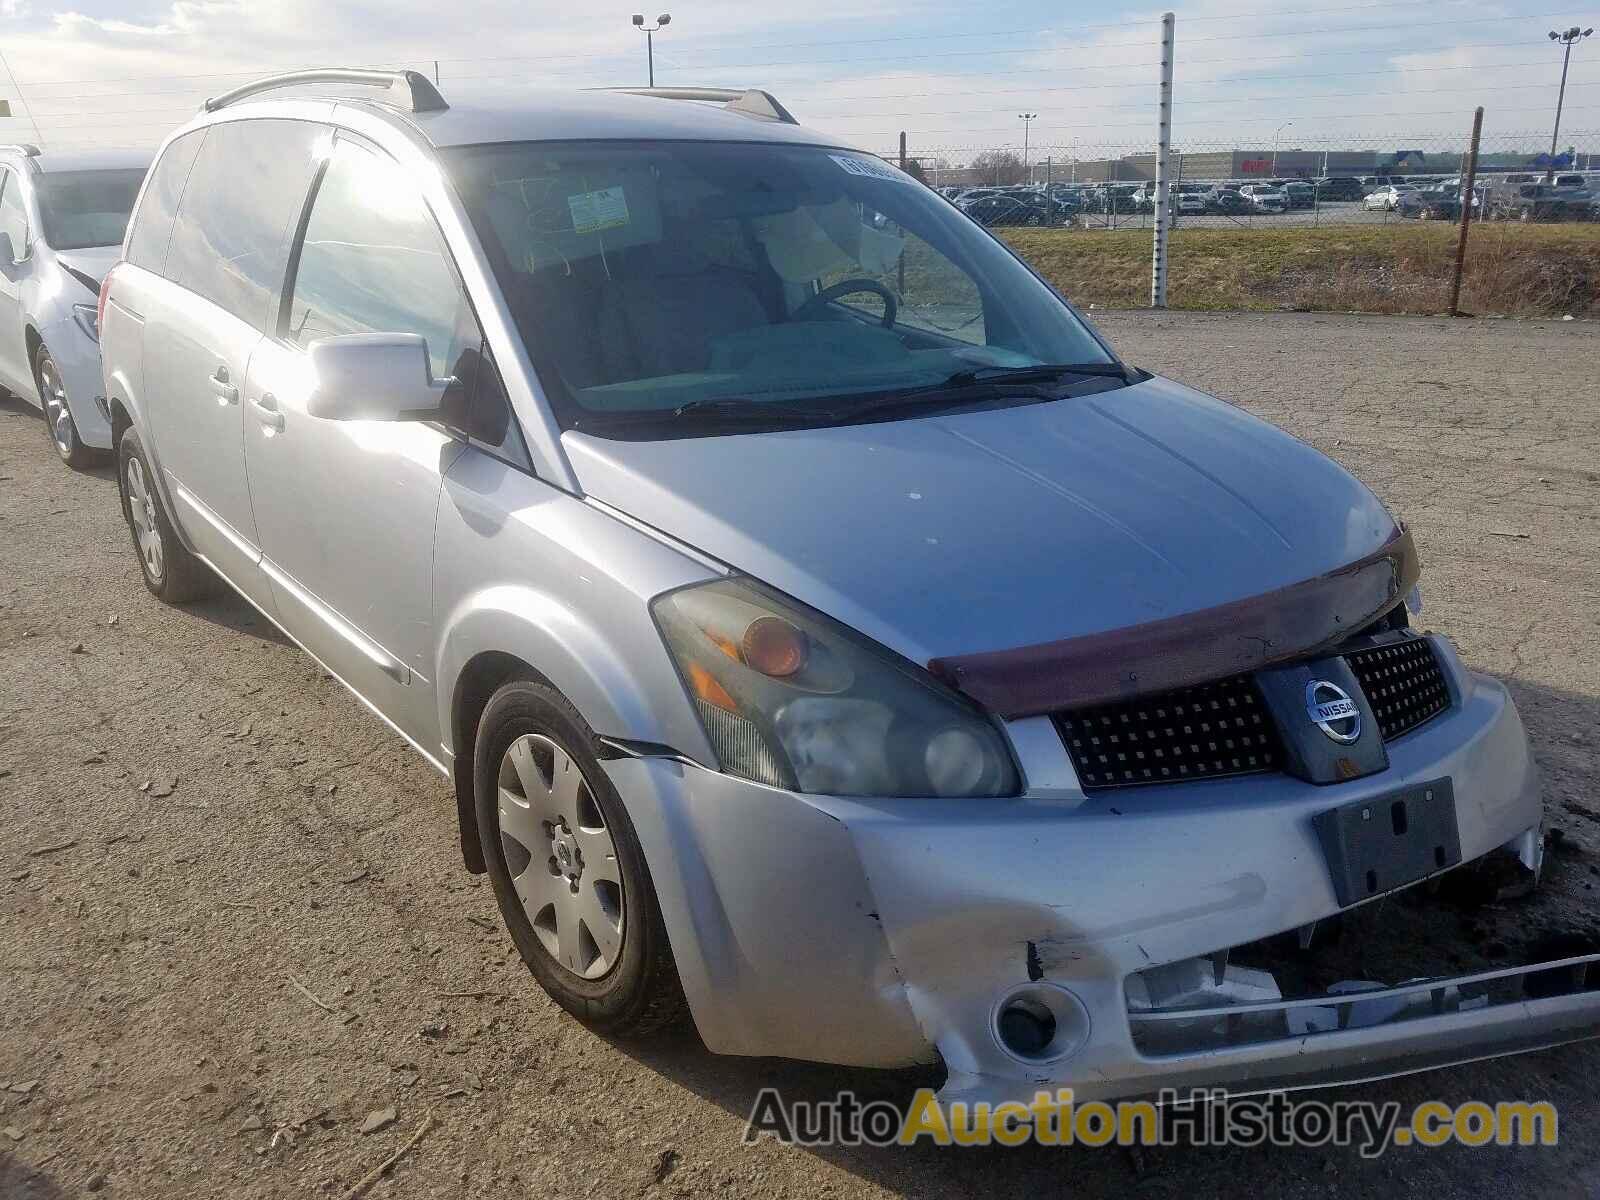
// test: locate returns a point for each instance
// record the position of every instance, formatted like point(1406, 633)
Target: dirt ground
point(233, 921)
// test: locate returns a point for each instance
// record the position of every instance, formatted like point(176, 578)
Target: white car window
point(13, 216)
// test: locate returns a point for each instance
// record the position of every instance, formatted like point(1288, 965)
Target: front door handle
point(266, 410)
point(224, 391)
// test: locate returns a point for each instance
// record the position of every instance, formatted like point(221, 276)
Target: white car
point(1265, 198)
point(61, 223)
point(1385, 199)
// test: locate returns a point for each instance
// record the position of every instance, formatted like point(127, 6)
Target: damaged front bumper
point(893, 932)
point(77, 360)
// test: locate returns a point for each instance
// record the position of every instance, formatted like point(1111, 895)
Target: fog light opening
point(1027, 1028)
point(1040, 1023)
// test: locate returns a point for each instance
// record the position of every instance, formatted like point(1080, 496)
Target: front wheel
point(567, 869)
point(63, 430)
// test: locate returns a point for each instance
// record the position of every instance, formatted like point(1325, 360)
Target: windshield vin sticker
point(868, 169)
point(594, 211)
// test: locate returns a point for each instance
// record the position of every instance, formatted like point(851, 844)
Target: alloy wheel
point(56, 413)
point(560, 856)
point(142, 512)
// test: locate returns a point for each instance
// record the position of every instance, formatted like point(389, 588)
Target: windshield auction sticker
point(595, 211)
point(1198, 1118)
point(870, 169)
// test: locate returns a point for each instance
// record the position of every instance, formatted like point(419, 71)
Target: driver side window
point(373, 261)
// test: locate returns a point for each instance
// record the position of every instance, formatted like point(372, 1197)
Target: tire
point(58, 423)
point(170, 572)
point(629, 987)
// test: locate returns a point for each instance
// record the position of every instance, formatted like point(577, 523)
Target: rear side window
point(230, 242)
point(152, 223)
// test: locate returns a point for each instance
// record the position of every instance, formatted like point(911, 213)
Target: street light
point(1277, 137)
point(1027, 120)
point(649, 32)
point(1567, 38)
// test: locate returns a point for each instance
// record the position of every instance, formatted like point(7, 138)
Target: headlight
point(790, 698)
point(88, 319)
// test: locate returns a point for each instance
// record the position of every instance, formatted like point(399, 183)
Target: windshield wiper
point(719, 410)
point(976, 383)
point(1037, 373)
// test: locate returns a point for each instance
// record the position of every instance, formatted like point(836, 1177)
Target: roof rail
point(26, 149)
point(407, 89)
point(749, 102)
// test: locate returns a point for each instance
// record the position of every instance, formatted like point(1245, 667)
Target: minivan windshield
point(669, 288)
point(80, 209)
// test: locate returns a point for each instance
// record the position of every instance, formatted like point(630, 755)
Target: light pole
point(1027, 120)
point(1566, 38)
point(1277, 137)
point(650, 32)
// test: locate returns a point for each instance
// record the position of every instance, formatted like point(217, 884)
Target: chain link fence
point(1324, 182)
point(1332, 222)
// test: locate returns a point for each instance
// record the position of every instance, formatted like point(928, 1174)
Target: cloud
point(953, 75)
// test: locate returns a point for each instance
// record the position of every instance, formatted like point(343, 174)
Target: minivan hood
point(93, 262)
point(959, 534)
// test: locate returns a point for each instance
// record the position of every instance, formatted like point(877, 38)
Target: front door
point(346, 509)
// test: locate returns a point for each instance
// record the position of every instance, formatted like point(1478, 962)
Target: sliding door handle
point(224, 391)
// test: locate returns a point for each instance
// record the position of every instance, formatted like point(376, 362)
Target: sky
point(1370, 74)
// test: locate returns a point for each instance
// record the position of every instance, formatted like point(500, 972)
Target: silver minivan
point(824, 631)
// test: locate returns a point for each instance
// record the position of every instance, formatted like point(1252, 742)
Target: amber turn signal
point(774, 647)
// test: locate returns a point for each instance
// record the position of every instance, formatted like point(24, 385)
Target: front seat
point(660, 316)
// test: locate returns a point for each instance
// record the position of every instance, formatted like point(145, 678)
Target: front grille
point(1203, 732)
point(1403, 683)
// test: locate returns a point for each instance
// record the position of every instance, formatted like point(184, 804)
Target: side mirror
point(374, 377)
point(8, 251)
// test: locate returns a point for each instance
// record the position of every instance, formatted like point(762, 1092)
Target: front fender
point(77, 359)
point(525, 570)
point(577, 659)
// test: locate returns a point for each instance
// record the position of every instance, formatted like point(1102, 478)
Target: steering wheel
point(812, 308)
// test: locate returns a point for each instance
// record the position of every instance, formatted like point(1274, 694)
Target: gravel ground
point(233, 922)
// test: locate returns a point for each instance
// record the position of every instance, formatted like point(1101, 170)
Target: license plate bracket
point(1385, 842)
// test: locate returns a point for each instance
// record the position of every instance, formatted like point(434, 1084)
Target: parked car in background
point(1300, 194)
point(1439, 203)
point(1228, 201)
point(1569, 181)
point(1338, 187)
point(1264, 198)
point(882, 673)
point(1006, 208)
point(1537, 202)
point(1386, 199)
point(1112, 199)
point(62, 218)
